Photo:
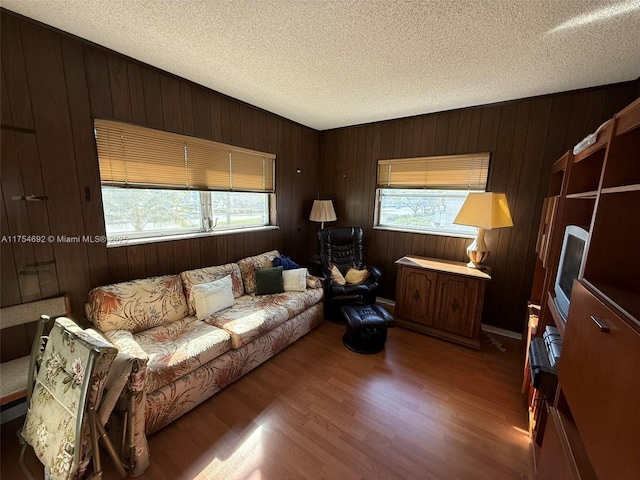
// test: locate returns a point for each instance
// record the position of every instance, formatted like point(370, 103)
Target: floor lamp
point(322, 211)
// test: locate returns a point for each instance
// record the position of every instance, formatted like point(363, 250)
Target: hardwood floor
point(421, 409)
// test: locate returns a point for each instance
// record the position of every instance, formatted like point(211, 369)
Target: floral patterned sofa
point(182, 361)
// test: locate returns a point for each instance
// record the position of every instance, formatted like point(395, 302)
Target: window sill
point(424, 232)
point(183, 236)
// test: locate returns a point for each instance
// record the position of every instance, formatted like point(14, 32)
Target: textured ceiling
point(331, 63)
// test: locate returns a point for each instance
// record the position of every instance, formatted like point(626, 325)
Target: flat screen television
point(571, 257)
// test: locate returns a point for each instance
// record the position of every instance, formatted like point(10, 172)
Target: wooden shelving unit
point(593, 425)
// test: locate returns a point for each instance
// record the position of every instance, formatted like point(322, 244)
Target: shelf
point(592, 194)
point(621, 189)
point(559, 322)
point(576, 210)
point(622, 166)
point(613, 256)
point(585, 172)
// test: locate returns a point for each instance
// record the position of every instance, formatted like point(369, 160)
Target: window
point(425, 194)
point(157, 184)
point(153, 213)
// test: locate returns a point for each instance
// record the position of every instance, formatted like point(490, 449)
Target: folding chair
point(67, 403)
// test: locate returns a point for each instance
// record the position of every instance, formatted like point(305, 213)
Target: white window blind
point(133, 156)
point(448, 172)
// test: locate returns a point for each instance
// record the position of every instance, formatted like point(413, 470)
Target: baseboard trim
point(390, 306)
point(501, 331)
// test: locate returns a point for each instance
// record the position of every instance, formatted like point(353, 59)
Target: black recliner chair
point(342, 247)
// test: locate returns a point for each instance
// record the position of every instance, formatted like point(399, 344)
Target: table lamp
point(322, 211)
point(485, 211)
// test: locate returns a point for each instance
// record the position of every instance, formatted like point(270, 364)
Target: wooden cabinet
point(599, 387)
point(599, 379)
point(440, 298)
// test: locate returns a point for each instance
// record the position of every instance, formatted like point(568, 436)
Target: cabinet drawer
point(598, 372)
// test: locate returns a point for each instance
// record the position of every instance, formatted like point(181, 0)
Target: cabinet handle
point(416, 295)
point(603, 328)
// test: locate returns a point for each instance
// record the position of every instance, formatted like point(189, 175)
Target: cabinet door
point(415, 295)
point(598, 372)
point(457, 300)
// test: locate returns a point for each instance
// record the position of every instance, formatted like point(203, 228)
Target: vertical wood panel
point(118, 264)
point(187, 108)
point(14, 75)
point(151, 259)
point(9, 285)
point(29, 159)
point(18, 219)
point(136, 261)
point(201, 113)
point(97, 73)
point(216, 111)
point(119, 82)
point(136, 92)
point(50, 104)
point(165, 258)
point(152, 98)
point(90, 194)
point(171, 104)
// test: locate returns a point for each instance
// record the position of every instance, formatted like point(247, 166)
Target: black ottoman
point(366, 327)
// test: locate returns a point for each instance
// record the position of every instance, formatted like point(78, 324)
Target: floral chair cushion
point(137, 305)
point(248, 268)
point(178, 348)
point(208, 275)
point(73, 364)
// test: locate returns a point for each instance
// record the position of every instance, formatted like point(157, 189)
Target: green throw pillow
point(269, 280)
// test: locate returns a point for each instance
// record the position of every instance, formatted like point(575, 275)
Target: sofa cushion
point(248, 268)
point(137, 305)
point(250, 318)
point(269, 281)
point(295, 280)
point(212, 297)
point(178, 348)
point(208, 275)
point(298, 302)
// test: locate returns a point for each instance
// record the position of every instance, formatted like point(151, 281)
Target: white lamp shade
point(485, 210)
point(322, 211)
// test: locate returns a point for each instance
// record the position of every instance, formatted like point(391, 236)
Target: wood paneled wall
point(53, 86)
point(524, 137)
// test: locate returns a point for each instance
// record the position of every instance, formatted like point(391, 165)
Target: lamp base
point(478, 251)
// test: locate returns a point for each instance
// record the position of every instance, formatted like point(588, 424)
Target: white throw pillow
point(213, 297)
point(295, 280)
